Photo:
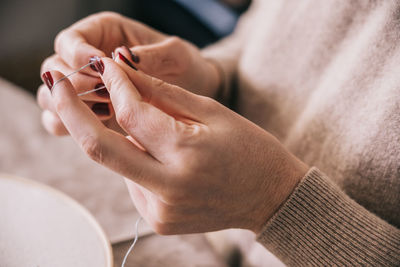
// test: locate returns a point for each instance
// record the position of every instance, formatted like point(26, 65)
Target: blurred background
point(28, 28)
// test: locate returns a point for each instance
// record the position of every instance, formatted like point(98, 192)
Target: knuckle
point(169, 92)
point(186, 167)
point(174, 40)
point(208, 103)
point(93, 147)
point(158, 83)
point(48, 63)
point(62, 38)
point(125, 118)
point(180, 66)
point(59, 40)
point(181, 54)
point(176, 58)
point(190, 137)
point(107, 16)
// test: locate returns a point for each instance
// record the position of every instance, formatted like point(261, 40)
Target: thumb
point(164, 58)
point(152, 128)
point(169, 98)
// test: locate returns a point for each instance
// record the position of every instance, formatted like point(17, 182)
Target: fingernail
point(134, 57)
point(101, 109)
point(102, 92)
point(48, 79)
point(127, 62)
point(97, 64)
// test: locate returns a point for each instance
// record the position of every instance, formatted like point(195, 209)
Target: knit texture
point(321, 226)
point(324, 78)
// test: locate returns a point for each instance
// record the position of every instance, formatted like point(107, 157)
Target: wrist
point(215, 79)
point(279, 190)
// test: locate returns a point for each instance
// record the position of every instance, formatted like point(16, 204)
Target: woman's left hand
point(193, 165)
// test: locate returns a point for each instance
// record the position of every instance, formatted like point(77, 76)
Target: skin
point(191, 164)
point(166, 57)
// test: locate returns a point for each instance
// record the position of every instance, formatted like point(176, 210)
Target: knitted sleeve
point(319, 225)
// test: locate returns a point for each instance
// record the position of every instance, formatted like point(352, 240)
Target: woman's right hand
point(168, 58)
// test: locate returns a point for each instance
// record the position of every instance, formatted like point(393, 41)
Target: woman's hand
point(192, 165)
point(168, 58)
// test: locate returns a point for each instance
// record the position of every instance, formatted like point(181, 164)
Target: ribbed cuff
point(319, 225)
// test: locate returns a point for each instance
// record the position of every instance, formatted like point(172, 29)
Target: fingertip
point(128, 53)
point(109, 70)
point(53, 124)
point(117, 79)
point(58, 82)
point(42, 96)
point(62, 92)
point(126, 61)
point(148, 57)
point(112, 71)
point(160, 58)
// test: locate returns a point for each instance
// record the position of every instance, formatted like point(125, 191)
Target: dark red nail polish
point(127, 62)
point(97, 64)
point(101, 109)
point(134, 57)
point(102, 92)
point(48, 79)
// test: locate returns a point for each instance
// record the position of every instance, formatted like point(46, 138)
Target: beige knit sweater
point(324, 78)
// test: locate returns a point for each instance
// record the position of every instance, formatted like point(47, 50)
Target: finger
point(161, 58)
point(44, 99)
point(74, 49)
point(101, 144)
point(53, 124)
point(172, 99)
point(104, 111)
point(155, 130)
point(173, 220)
point(82, 82)
point(145, 202)
point(139, 199)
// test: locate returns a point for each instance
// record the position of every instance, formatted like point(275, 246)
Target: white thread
point(133, 243)
point(72, 73)
point(76, 71)
point(85, 93)
point(91, 91)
